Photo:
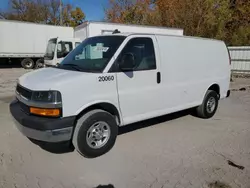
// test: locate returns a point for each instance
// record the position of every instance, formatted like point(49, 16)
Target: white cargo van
point(115, 80)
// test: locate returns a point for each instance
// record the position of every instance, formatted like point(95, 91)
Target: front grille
point(24, 92)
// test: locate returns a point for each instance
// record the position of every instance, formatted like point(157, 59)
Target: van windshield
point(93, 54)
point(50, 51)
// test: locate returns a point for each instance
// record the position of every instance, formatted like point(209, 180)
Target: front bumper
point(42, 128)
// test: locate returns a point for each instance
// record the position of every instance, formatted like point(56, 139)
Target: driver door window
point(142, 51)
point(64, 47)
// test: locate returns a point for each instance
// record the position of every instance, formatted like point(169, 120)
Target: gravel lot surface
point(8, 78)
point(174, 151)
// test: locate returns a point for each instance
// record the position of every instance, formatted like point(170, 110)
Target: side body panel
point(189, 67)
point(86, 91)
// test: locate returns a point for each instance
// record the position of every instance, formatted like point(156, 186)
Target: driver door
point(139, 87)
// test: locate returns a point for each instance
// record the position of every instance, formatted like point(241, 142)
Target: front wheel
point(209, 106)
point(95, 133)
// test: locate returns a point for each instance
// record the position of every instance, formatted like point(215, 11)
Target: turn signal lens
point(45, 112)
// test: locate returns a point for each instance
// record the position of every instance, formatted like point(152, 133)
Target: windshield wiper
point(74, 66)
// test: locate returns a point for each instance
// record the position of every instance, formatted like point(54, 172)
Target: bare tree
point(44, 11)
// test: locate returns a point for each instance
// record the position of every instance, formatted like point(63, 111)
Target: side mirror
point(127, 62)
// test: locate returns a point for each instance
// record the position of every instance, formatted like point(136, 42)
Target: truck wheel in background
point(39, 64)
point(27, 63)
point(209, 106)
point(95, 133)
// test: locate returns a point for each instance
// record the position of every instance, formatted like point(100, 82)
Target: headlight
point(47, 96)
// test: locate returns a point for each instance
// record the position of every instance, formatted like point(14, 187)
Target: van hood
point(49, 78)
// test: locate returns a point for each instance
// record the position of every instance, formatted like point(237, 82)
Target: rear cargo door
point(139, 87)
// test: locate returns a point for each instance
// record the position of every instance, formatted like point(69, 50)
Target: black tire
point(39, 64)
point(27, 63)
point(203, 111)
point(84, 124)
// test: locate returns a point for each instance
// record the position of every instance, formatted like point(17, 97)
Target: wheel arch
point(102, 105)
point(215, 87)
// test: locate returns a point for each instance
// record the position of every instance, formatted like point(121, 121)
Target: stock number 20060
point(105, 78)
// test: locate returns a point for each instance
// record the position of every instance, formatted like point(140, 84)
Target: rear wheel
point(27, 63)
point(95, 133)
point(209, 106)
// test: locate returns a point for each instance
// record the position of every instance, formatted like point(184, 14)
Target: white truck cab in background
point(115, 80)
point(58, 48)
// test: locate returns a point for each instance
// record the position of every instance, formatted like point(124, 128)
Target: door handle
point(158, 77)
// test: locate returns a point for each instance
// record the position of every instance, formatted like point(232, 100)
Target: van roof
point(183, 36)
point(128, 34)
point(124, 24)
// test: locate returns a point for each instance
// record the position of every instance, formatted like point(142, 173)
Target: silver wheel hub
point(28, 64)
point(211, 103)
point(98, 135)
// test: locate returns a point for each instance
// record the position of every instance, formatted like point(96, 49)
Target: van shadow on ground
point(66, 147)
point(105, 186)
point(154, 121)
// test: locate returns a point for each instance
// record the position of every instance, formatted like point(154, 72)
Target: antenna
point(116, 31)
